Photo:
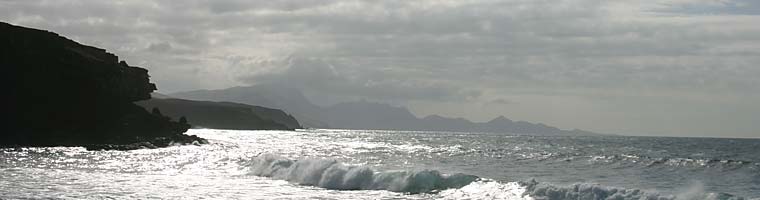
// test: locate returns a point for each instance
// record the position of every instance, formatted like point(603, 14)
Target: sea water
point(372, 164)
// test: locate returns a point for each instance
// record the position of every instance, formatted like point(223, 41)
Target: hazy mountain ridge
point(287, 99)
point(223, 115)
point(363, 114)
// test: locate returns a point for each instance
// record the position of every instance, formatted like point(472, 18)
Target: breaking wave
point(331, 174)
point(532, 190)
point(677, 162)
point(595, 191)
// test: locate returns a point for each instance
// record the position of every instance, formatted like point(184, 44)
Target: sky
point(646, 67)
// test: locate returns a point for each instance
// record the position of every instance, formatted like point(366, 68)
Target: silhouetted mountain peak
point(371, 108)
point(500, 119)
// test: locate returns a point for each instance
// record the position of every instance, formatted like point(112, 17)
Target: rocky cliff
point(62, 93)
point(223, 115)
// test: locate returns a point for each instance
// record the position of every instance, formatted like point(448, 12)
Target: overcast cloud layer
point(650, 67)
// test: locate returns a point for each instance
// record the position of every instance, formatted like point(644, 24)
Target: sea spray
point(488, 189)
point(331, 174)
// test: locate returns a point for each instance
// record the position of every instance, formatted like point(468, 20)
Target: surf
point(332, 174)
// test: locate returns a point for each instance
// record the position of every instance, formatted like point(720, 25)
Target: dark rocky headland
point(62, 93)
point(223, 115)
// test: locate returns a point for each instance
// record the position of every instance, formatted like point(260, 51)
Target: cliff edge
point(63, 93)
point(223, 115)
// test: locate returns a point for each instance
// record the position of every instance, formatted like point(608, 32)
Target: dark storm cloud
point(432, 52)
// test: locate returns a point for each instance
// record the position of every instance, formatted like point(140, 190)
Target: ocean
point(378, 164)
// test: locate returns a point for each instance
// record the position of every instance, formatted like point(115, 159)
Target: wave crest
point(331, 174)
point(595, 191)
point(532, 190)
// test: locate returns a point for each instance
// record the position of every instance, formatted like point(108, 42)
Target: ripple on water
point(221, 170)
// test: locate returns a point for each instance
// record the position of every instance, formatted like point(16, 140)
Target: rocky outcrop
point(288, 99)
point(62, 93)
point(223, 115)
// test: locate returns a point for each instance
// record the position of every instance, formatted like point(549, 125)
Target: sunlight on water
point(347, 164)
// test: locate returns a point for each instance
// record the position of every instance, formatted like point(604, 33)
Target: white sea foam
point(488, 189)
point(331, 174)
point(592, 191)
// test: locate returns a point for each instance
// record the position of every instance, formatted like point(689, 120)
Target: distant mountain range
point(363, 114)
point(288, 99)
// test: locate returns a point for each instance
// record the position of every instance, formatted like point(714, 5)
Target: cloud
point(336, 79)
point(500, 101)
point(716, 7)
point(159, 47)
point(433, 52)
